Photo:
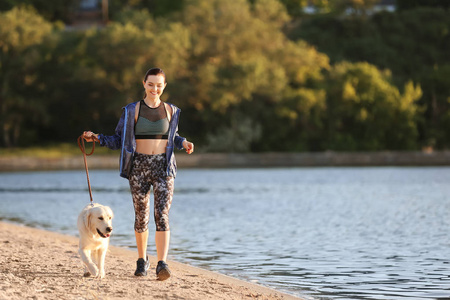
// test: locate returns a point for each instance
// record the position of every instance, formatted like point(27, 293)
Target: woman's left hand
point(188, 146)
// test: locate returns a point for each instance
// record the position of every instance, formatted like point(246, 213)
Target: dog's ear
point(87, 220)
point(110, 212)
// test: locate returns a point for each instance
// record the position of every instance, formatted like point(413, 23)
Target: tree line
point(248, 75)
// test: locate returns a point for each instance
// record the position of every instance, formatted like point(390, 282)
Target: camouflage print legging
point(148, 171)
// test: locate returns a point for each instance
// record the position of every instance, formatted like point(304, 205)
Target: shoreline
point(44, 265)
point(240, 160)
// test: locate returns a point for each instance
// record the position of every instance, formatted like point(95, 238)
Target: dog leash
point(83, 149)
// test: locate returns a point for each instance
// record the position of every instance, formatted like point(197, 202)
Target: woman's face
point(154, 86)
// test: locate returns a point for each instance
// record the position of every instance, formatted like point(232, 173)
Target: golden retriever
point(95, 227)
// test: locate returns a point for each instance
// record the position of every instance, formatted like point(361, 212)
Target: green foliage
point(21, 28)
point(242, 84)
point(238, 137)
point(366, 112)
point(229, 54)
point(52, 151)
point(413, 4)
point(55, 10)
point(156, 8)
point(22, 31)
point(296, 8)
point(233, 67)
point(413, 44)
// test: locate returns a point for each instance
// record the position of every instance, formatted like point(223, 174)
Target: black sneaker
point(162, 270)
point(142, 267)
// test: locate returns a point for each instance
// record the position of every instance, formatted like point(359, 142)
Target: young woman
point(147, 133)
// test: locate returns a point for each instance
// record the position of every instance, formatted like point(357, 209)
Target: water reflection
point(83, 189)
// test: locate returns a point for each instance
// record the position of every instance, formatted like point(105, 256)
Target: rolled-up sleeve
point(113, 142)
point(178, 141)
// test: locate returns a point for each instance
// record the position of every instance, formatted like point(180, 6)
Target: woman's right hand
point(89, 136)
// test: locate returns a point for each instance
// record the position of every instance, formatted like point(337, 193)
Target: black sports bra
point(152, 123)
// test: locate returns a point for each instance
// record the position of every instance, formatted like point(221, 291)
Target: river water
point(317, 233)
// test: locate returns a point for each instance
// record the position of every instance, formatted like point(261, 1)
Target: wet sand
point(38, 264)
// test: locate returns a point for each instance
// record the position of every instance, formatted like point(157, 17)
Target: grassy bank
point(69, 157)
point(53, 151)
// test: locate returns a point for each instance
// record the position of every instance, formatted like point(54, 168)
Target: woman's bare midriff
point(151, 146)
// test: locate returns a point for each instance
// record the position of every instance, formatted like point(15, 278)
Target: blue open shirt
point(124, 139)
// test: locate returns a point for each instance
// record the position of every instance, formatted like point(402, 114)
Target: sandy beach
point(38, 264)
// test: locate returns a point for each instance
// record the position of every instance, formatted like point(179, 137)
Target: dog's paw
point(93, 270)
point(101, 274)
point(87, 274)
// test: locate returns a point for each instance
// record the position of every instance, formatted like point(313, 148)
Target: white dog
point(95, 227)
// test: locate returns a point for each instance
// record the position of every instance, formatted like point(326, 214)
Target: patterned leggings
point(148, 171)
